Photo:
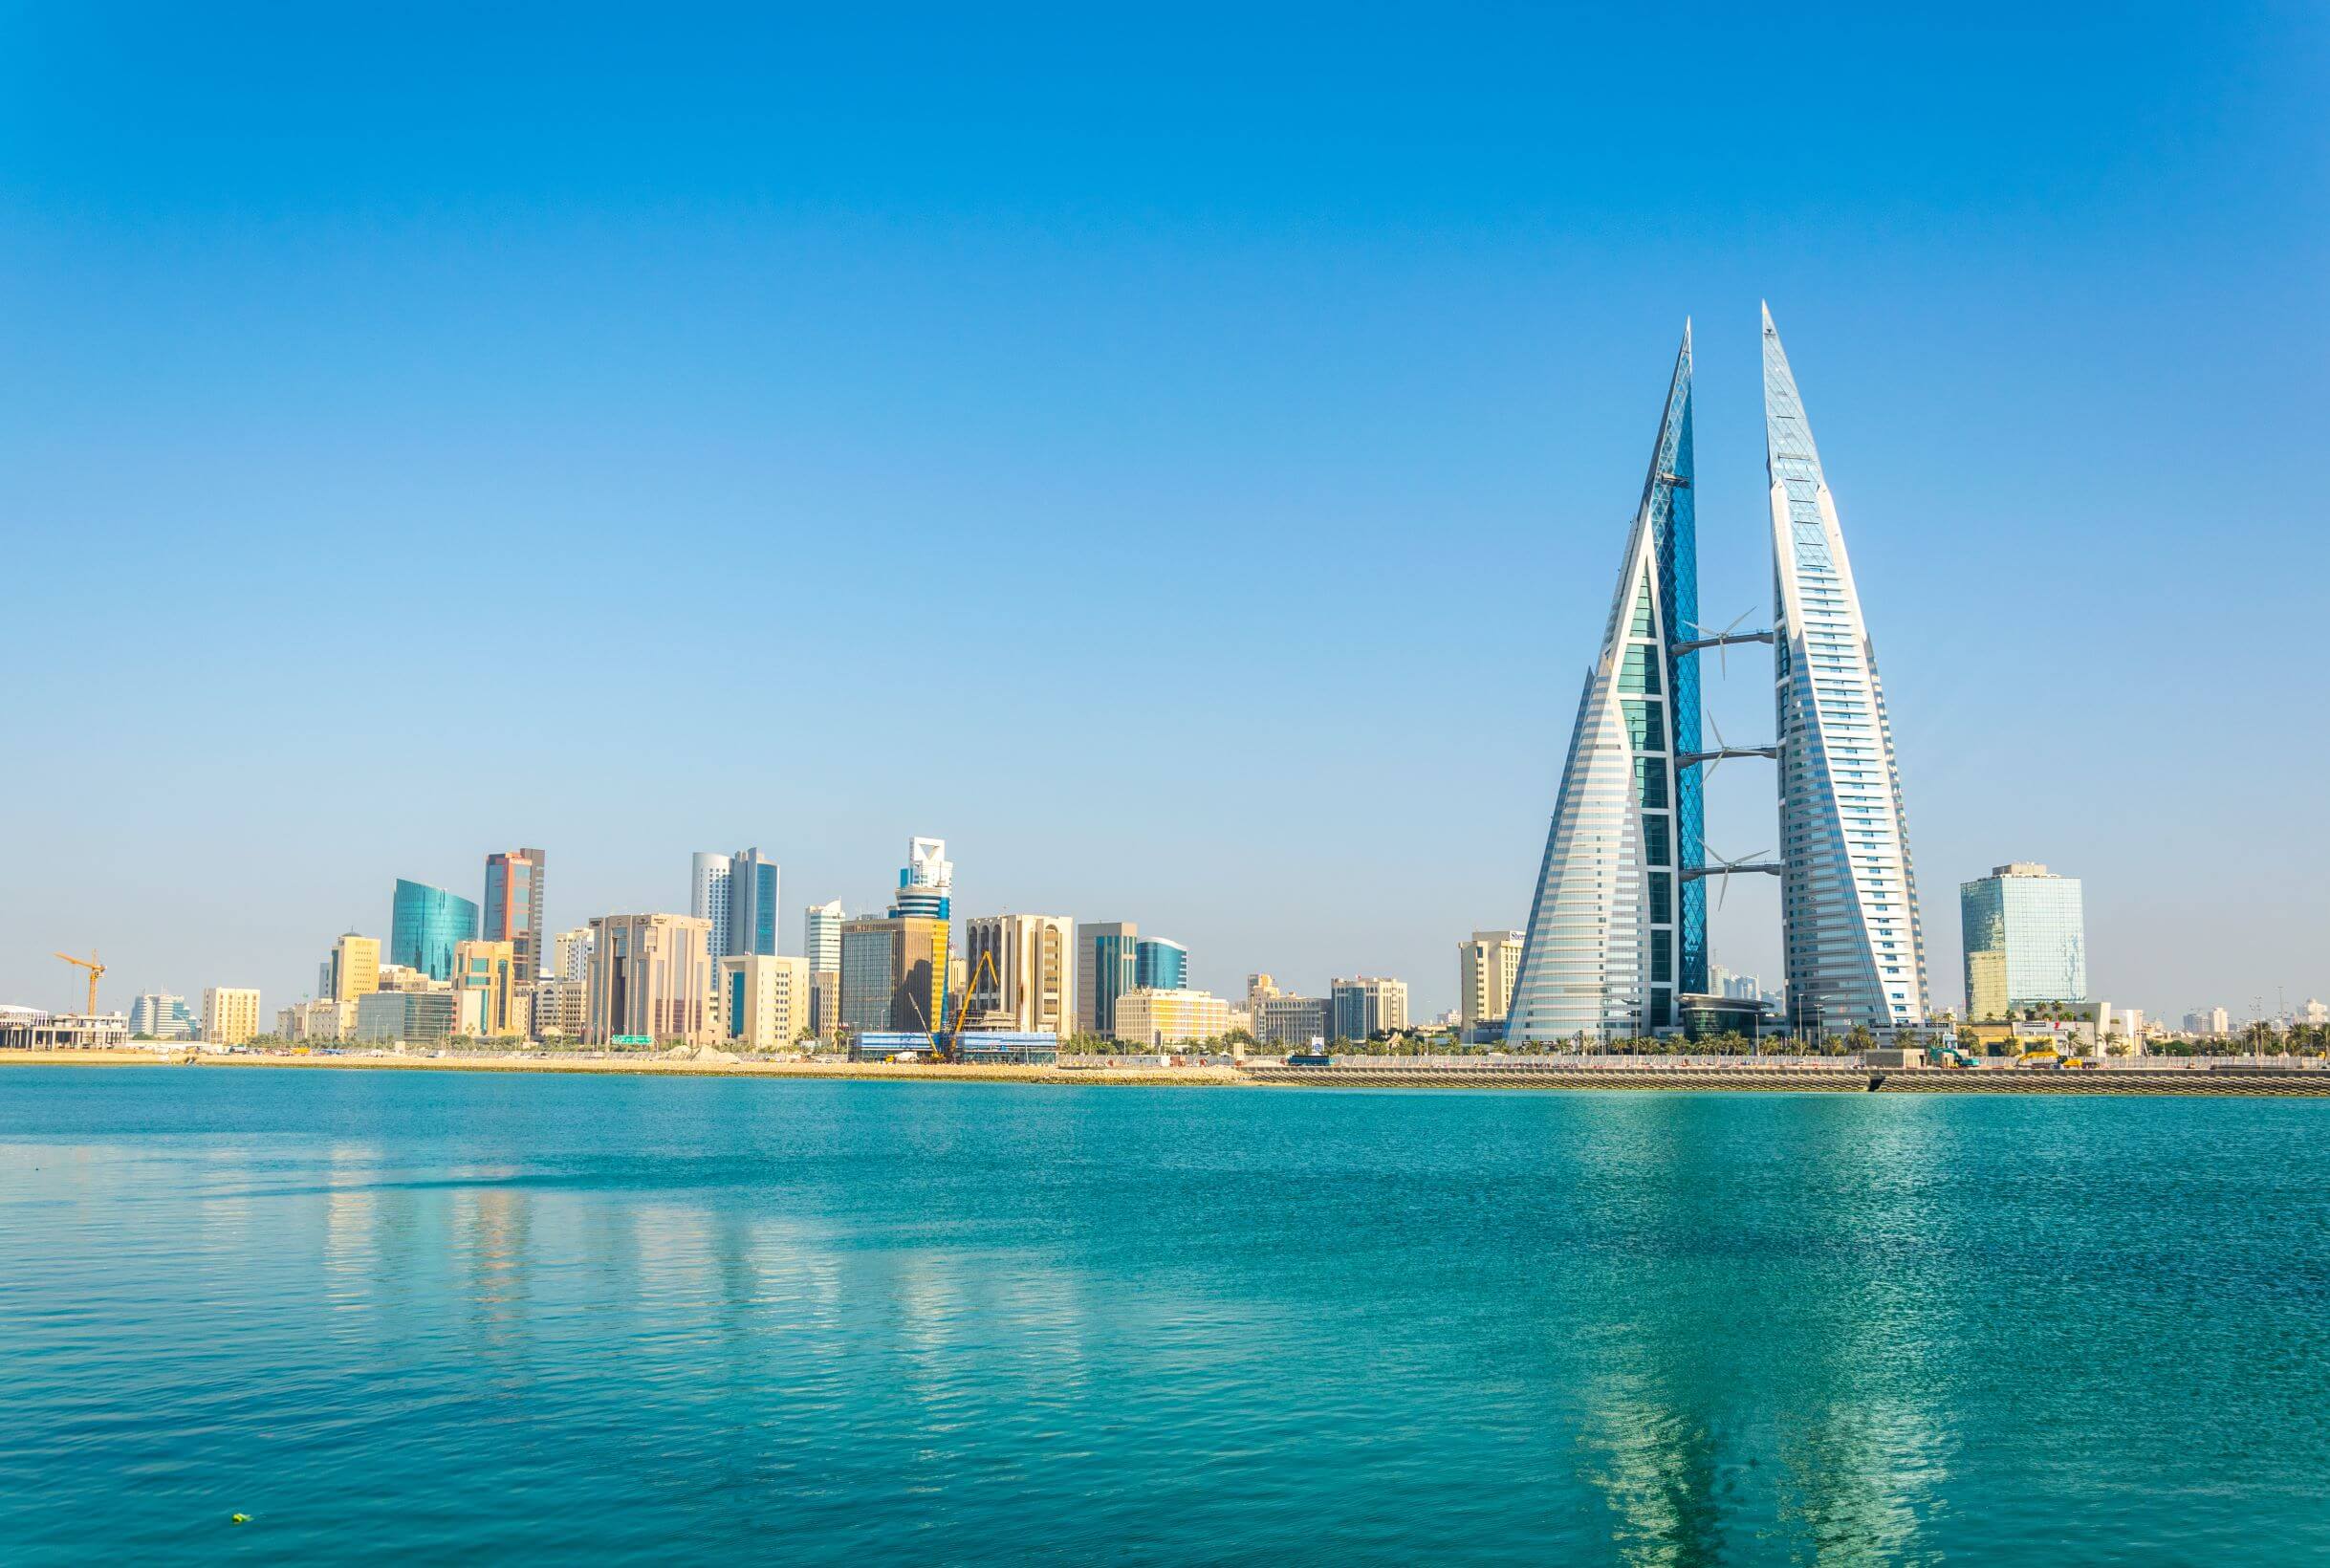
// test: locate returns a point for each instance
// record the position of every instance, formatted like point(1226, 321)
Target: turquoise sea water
point(420, 1316)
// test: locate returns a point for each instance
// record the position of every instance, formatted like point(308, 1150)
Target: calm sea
point(401, 1316)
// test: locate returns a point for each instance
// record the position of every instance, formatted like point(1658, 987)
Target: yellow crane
point(95, 969)
point(947, 1043)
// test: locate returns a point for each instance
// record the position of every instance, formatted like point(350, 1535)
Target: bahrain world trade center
point(1616, 935)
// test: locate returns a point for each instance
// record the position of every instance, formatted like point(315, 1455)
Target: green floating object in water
point(239, 1518)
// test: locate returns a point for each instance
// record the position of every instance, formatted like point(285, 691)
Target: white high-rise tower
point(1856, 952)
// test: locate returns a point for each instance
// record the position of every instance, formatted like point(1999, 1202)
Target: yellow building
point(1986, 980)
point(356, 967)
point(1151, 1019)
point(231, 1014)
point(763, 1002)
point(1486, 962)
point(488, 968)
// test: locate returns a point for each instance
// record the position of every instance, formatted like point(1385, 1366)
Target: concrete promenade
point(1797, 1076)
point(1843, 1076)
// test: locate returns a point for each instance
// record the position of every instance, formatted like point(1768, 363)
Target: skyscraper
point(424, 923)
point(2025, 931)
point(650, 978)
point(822, 936)
point(753, 911)
point(894, 974)
point(1850, 929)
point(1615, 929)
point(1159, 964)
point(1105, 955)
point(925, 883)
point(708, 895)
point(738, 894)
point(513, 908)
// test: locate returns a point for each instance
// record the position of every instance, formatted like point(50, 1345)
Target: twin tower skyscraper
point(1618, 929)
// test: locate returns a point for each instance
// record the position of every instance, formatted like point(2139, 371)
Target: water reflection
point(1813, 1430)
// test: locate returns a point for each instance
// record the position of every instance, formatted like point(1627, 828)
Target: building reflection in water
point(1750, 1351)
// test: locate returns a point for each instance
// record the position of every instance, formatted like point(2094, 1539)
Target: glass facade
point(1115, 959)
point(894, 973)
point(2025, 934)
point(1616, 932)
point(1855, 948)
point(1159, 964)
point(514, 907)
point(424, 923)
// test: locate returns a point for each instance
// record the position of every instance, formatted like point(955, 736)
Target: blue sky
point(1179, 456)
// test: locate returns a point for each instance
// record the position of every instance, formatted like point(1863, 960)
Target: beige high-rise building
point(488, 968)
point(763, 1001)
point(356, 967)
point(650, 978)
point(231, 1014)
point(1028, 979)
point(1485, 965)
point(1152, 1019)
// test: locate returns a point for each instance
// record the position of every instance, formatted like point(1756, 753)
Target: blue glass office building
point(1159, 964)
point(423, 925)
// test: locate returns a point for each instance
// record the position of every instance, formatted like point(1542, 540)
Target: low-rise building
point(410, 1017)
point(29, 1029)
point(1151, 1018)
point(1292, 1020)
point(320, 1022)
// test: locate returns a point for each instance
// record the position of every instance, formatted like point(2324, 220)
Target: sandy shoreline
point(652, 1067)
point(1357, 1072)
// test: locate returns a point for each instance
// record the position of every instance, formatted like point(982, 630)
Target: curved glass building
point(423, 925)
point(1616, 932)
point(1856, 952)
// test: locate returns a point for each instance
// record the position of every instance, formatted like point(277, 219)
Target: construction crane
point(95, 969)
point(947, 1040)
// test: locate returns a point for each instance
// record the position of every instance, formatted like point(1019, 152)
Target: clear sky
point(1178, 455)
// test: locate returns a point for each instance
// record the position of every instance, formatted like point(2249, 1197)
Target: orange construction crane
point(95, 969)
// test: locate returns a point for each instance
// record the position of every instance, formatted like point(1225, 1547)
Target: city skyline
point(1263, 410)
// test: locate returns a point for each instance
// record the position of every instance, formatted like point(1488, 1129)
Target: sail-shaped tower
point(1856, 952)
point(1616, 932)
